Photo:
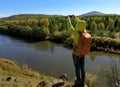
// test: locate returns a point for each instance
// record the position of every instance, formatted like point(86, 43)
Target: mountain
point(35, 16)
point(93, 13)
point(31, 16)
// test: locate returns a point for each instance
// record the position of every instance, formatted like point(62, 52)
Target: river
point(50, 58)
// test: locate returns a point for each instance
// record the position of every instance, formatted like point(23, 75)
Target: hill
point(30, 16)
point(36, 16)
point(93, 13)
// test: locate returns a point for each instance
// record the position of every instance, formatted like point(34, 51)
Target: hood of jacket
point(80, 25)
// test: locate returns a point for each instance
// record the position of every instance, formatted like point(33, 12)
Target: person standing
point(81, 46)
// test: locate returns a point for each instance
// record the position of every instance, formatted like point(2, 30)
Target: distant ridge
point(93, 13)
point(30, 16)
point(35, 16)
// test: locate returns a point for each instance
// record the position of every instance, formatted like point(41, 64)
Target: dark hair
point(71, 16)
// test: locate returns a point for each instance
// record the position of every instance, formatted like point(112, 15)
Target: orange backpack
point(84, 44)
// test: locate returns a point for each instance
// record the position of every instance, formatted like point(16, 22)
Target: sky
point(58, 7)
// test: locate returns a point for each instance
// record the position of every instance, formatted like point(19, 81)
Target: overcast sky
point(59, 7)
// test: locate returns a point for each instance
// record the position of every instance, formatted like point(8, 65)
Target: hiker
point(81, 46)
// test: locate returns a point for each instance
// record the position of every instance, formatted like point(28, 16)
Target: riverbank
point(12, 75)
point(106, 44)
point(100, 44)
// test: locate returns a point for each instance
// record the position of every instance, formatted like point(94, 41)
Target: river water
point(50, 58)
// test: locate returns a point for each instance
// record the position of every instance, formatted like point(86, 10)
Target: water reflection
point(45, 46)
point(94, 54)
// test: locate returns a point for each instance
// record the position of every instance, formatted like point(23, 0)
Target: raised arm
point(72, 31)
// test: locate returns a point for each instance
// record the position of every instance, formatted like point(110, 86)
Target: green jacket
point(80, 26)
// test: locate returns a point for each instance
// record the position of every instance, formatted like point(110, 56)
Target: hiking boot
point(77, 82)
point(82, 83)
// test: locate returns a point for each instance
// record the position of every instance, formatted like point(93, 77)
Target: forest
point(105, 29)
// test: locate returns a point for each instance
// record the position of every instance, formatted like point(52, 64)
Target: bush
point(112, 34)
point(26, 31)
point(106, 44)
point(39, 32)
point(59, 37)
point(102, 33)
point(3, 29)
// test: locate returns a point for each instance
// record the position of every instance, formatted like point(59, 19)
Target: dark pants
point(79, 66)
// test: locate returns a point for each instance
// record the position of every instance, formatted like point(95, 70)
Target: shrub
point(26, 31)
point(105, 43)
point(3, 29)
point(112, 34)
point(39, 32)
point(59, 37)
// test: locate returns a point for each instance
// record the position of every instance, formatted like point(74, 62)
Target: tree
point(39, 33)
point(26, 31)
point(93, 27)
point(111, 25)
point(53, 26)
point(44, 22)
point(101, 25)
point(3, 29)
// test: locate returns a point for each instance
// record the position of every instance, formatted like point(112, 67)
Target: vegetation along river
point(50, 58)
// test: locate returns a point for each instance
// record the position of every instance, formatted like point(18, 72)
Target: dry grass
point(25, 76)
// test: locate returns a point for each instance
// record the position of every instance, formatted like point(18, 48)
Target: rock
point(2, 79)
point(80, 86)
point(63, 77)
point(66, 86)
point(49, 84)
point(85, 85)
point(57, 83)
point(9, 78)
point(42, 84)
point(29, 82)
point(117, 84)
point(16, 79)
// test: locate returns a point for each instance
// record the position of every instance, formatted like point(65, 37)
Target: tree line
point(106, 26)
point(34, 25)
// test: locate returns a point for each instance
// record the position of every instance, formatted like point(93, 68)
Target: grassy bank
point(106, 44)
point(12, 75)
point(100, 44)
